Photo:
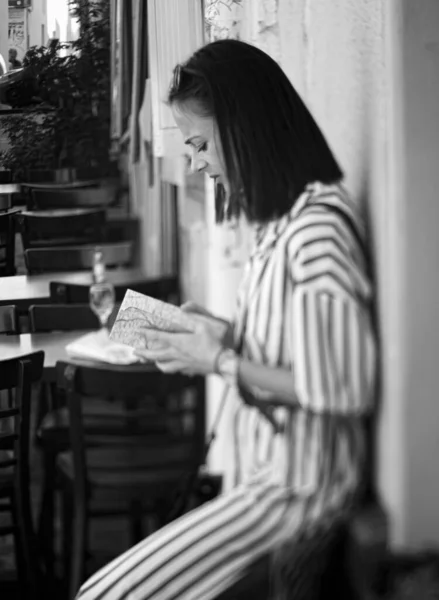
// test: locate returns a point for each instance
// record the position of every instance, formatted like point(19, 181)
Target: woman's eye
point(202, 148)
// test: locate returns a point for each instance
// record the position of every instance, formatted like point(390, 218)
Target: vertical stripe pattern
point(304, 305)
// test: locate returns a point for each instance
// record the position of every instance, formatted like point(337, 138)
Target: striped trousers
point(204, 552)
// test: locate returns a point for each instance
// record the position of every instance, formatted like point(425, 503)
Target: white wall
point(36, 18)
point(4, 31)
point(334, 54)
point(420, 252)
point(369, 70)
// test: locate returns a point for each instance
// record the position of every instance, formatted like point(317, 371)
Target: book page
point(140, 317)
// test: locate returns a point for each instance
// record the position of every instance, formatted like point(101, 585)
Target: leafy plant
point(65, 95)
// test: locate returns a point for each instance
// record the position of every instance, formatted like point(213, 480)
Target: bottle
point(99, 272)
point(102, 296)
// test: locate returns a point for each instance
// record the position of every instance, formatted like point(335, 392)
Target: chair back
point(61, 227)
point(7, 244)
point(163, 288)
point(88, 197)
point(155, 437)
point(9, 319)
point(5, 201)
point(18, 374)
point(61, 317)
point(5, 176)
point(77, 258)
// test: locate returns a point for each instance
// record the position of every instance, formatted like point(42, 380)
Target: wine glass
point(102, 300)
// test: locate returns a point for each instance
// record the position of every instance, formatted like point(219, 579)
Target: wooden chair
point(89, 197)
point(76, 258)
point(9, 325)
point(52, 417)
point(5, 202)
point(47, 175)
point(9, 322)
point(61, 317)
point(19, 374)
point(68, 176)
point(7, 244)
point(61, 227)
point(5, 176)
point(163, 288)
point(131, 462)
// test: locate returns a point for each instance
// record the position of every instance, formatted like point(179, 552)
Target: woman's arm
point(267, 384)
point(329, 334)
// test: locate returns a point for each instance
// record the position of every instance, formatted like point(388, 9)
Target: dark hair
point(271, 144)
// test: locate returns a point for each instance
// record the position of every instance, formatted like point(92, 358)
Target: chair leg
point(67, 531)
point(46, 524)
point(42, 407)
point(79, 543)
point(25, 551)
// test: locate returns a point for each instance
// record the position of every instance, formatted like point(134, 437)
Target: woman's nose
point(197, 164)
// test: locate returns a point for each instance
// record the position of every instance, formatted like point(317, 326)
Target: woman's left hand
point(190, 353)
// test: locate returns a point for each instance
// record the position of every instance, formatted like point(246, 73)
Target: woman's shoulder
point(322, 212)
point(326, 234)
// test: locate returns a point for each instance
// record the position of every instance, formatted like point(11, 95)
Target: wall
point(369, 71)
point(59, 23)
point(37, 17)
point(4, 31)
point(420, 251)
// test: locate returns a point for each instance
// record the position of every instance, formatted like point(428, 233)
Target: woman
point(303, 351)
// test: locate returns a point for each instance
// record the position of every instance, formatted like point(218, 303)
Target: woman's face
point(201, 137)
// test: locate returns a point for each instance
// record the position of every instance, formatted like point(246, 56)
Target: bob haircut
point(272, 146)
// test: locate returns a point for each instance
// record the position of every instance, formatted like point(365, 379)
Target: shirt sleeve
point(333, 343)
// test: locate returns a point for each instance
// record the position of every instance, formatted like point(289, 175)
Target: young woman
point(303, 355)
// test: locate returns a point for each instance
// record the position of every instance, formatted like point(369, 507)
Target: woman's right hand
point(223, 328)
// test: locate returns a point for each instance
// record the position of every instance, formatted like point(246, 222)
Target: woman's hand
point(222, 328)
point(189, 353)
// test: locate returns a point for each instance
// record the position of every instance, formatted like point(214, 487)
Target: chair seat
point(114, 477)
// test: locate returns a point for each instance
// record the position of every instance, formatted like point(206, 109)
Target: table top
point(70, 185)
point(117, 214)
point(25, 290)
point(53, 344)
point(9, 188)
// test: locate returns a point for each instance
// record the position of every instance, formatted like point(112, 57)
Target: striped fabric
point(304, 305)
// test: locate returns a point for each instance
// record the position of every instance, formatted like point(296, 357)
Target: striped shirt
point(305, 305)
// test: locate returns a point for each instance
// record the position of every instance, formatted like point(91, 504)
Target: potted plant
point(64, 97)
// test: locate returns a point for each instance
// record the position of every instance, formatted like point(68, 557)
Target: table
point(25, 290)
point(53, 344)
point(71, 185)
point(9, 188)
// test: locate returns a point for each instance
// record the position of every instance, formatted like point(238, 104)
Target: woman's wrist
point(227, 364)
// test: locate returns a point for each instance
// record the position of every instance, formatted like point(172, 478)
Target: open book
point(140, 317)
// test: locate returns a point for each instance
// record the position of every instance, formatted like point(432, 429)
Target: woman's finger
point(157, 354)
point(194, 308)
point(156, 336)
point(172, 366)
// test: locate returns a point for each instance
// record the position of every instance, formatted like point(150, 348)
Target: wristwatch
point(227, 365)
